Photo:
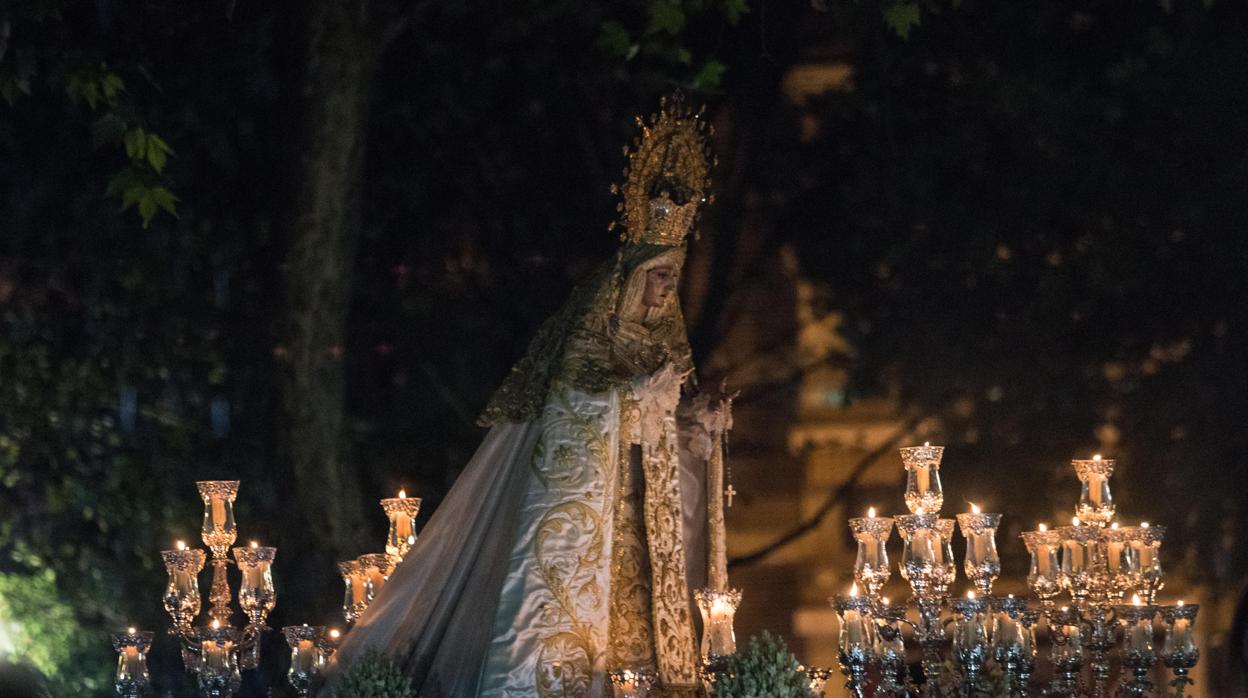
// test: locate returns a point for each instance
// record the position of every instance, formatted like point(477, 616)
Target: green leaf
point(136, 144)
point(147, 207)
point(710, 77)
point(157, 152)
point(112, 84)
point(666, 16)
point(614, 39)
point(734, 9)
point(902, 17)
point(165, 200)
point(134, 193)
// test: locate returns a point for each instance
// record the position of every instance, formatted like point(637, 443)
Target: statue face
point(660, 283)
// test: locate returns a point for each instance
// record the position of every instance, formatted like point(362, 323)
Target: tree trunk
point(336, 53)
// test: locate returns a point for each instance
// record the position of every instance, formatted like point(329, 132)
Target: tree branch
point(834, 498)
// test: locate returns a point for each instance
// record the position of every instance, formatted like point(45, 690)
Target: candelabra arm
point(219, 596)
point(1100, 627)
point(249, 648)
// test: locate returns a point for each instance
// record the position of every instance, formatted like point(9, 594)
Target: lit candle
point(132, 647)
point(404, 524)
point(982, 564)
point(1139, 637)
point(216, 648)
point(401, 511)
point(1044, 554)
point(1095, 484)
point(1113, 546)
point(718, 609)
point(853, 625)
point(132, 659)
point(218, 512)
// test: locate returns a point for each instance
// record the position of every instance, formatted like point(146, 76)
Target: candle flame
point(870, 512)
point(130, 631)
point(1043, 527)
point(1180, 604)
point(255, 544)
point(1114, 526)
point(970, 594)
point(1144, 525)
point(1135, 600)
point(853, 589)
point(333, 633)
point(181, 545)
point(402, 493)
point(216, 624)
point(926, 444)
point(974, 508)
point(1096, 457)
point(1074, 521)
point(1065, 609)
point(885, 600)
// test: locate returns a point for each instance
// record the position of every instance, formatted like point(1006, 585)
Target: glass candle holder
point(718, 609)
point(982, 564)
point(922, 554)
point(256, 593)
point(1067, 651)
point(890, 647)
point(1027, 621)
point(305, 658)
point(1137, 622)
point(1178, 649)
point(1137, 643)
point(631, 683)
point(1096, 504)
point(218, 662)
point(1007, 631)
point(401, 511)
point(856, 641)
point(377, 566)
point(132, 647)
point(1080, 557)
point(219, 531)
point(970, 638)
point(871, 568)
point(182, 599)
point(1148, 548)
point(1122, 559)
point(358, 591)
point(924, 494)
point(1044, 574)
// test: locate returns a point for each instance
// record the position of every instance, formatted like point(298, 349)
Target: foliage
point(765, 669)
point(374, 676)
point(993, 681)
point(39, 628)
point(82, 74)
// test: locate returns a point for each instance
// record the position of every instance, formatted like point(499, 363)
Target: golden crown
point(668, 175)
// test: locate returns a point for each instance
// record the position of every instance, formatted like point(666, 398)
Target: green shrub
point(766, 669)
point(374, 676)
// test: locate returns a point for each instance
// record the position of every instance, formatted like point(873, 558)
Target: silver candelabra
point(1094, 561)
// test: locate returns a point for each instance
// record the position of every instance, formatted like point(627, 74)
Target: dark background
point(1031, 216)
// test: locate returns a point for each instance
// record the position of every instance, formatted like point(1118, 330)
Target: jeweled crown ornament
point(668, 175)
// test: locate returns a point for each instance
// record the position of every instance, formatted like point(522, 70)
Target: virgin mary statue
point(569, 545)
